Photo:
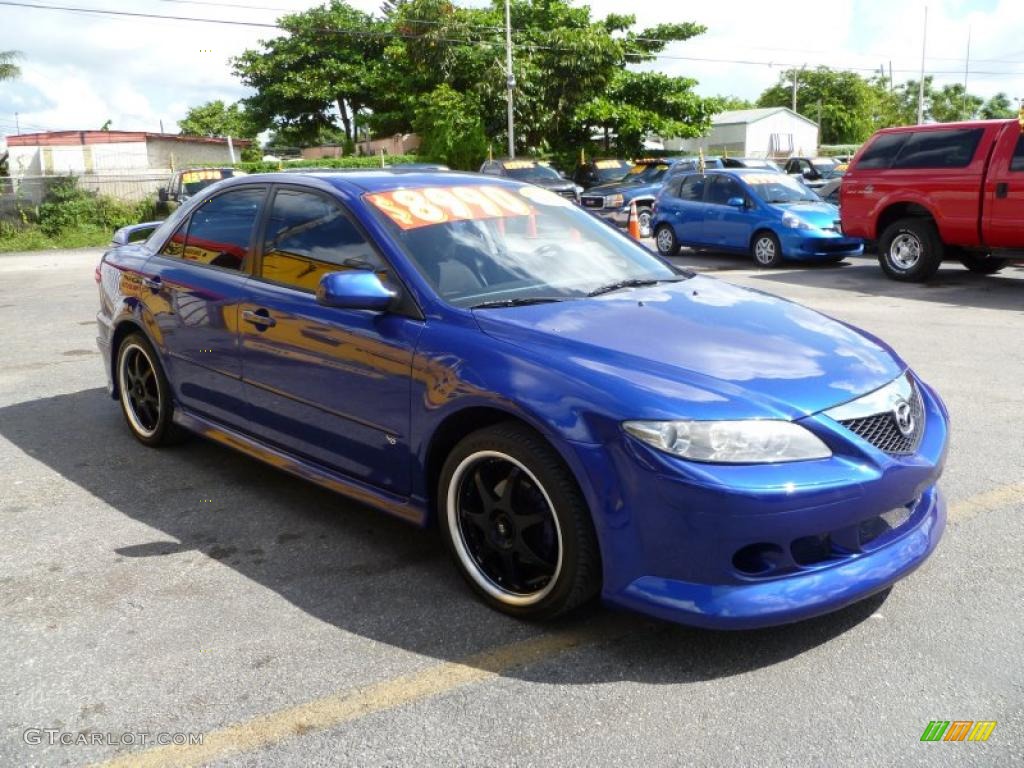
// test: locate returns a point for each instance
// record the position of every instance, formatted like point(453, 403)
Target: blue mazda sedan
point(577, 416)
point(769, 215)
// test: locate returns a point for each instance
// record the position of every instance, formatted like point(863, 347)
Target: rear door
point(1004, 192)
point(193, 288)
point(690, 209)
point(328, 384)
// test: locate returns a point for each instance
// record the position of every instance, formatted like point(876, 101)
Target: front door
point(328, 384)
point(726, 226)
point(192, 289)
point(1004, 194)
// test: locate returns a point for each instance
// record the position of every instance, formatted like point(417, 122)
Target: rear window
point(1017, 163)
point(882, 151)
point(939, 149)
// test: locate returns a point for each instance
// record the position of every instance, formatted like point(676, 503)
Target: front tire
point(910, 250)
point(766, 250)
point(144, 393)
point(983, 265)
point(516, 523)
point(665, 237)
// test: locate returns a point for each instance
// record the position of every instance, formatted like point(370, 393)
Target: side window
point(175, 247)
point(220, 230)
point(309, 235)
point(883, 151)
point(692, 188)
point(939, 149)
point(1017, 163)
point(723, 189)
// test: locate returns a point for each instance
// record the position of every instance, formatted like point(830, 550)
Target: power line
point(459, 41)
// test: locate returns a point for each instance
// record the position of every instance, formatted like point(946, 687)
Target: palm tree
point(8, 69)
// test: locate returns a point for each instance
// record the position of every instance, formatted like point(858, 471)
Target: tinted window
point(939, 149)
point(175, 247)
point(882, 151)
point(1017, 163)
point(692, 188)
point(308, 236)
point(724, 189)
point(220, 230)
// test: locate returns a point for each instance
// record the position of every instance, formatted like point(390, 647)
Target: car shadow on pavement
point(350, 566)
point(952, 284)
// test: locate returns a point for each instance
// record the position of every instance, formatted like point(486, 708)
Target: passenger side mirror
point(161, 194)
point(354, 289)
point(134, 233)
point(736, 202)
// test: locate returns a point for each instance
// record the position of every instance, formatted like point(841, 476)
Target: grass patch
point(32, 238)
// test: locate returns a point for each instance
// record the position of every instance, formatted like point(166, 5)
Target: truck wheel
point(643, 219)
point(983, 265)
point(910, 250)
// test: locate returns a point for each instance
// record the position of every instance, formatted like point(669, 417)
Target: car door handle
point(1002, 190)
point(153, 283)
point(259, 317)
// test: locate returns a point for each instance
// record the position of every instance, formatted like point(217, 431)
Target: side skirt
point(386, 502)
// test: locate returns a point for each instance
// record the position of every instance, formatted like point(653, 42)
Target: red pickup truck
point(930, 192)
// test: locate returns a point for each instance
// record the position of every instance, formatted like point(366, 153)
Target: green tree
point(732, 103)
point(998, 107)
point(214, 118)
point(9, 70)
point(319, 68)
point(848, 106)
point(952, 103)
point(451, 129)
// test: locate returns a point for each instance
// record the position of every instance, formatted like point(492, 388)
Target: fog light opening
point(757, 559)
point(809, 550)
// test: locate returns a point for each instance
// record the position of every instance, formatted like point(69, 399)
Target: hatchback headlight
point(614, 201)
point(794, 222)
point(731, 442)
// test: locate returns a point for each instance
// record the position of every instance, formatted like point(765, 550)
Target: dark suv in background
point(594, 172)
point(532, 172)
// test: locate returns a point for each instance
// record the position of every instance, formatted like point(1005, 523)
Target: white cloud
point(81, 69)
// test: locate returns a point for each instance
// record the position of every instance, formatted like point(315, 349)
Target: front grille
point(571, 194)
point(881, 430)
point(592, 202)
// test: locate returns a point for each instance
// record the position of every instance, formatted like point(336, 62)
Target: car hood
point(821, 215)
point(628, 189)
point(702, 348)
point(557, 185)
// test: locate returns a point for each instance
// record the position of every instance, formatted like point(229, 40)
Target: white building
point(771, 132)
point(126, 164)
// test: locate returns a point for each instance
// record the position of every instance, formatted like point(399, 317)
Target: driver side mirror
point(161, 195)
point(809, 173)
point(354, 289)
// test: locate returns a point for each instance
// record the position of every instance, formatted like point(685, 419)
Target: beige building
point(772, 132)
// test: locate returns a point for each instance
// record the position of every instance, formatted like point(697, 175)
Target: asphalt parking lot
point(195, 591)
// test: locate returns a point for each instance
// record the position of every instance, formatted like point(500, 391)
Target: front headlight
point(794, 222)
point(731, 442)
point(614, 201)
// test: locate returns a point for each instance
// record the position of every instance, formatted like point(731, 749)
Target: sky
point(80, 70)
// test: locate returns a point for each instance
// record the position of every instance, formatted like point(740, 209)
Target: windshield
point(824, 165)
point(779, 188)
point(608, 173)
point(532, 173)
point(643, 172)
point(486, 244)
point(193, 181)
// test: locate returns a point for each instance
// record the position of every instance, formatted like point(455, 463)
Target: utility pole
point(796, 79)
point(17, 127)
point(920, 85)
point(510, 81)
point(967, 70)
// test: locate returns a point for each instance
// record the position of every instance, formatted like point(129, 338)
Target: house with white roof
point(770, 132)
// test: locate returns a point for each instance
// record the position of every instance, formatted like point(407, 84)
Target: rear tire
point(665, 237)
point(910, 250)
point(145, 393)
point(516, 523)
point(983, 265)
point(766, 250)
point(643, 220)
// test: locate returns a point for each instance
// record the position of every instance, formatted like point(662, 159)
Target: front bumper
point(743, 546)
point(804, 247)
point(617, 216)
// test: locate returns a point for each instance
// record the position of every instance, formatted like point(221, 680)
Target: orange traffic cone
point(633, 225)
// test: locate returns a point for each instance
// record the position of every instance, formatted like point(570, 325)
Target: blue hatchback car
point(577, 416)
point(769, 215)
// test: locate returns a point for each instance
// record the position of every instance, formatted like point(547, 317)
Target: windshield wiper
point(633, 283)
point(517, 302)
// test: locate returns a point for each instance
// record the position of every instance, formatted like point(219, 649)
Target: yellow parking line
point(983, 502)
point(331, 711)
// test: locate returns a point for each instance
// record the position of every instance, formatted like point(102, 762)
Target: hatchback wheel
point(766, 250)
point(665, 237)
point(516, 523)
point(144, 392)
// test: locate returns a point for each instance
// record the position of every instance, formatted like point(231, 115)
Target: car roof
point(382, 180)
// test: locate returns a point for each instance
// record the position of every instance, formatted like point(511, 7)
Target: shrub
point(67, 207)
point(350, 161)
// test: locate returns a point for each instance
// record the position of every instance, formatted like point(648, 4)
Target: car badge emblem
point(904, 417)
